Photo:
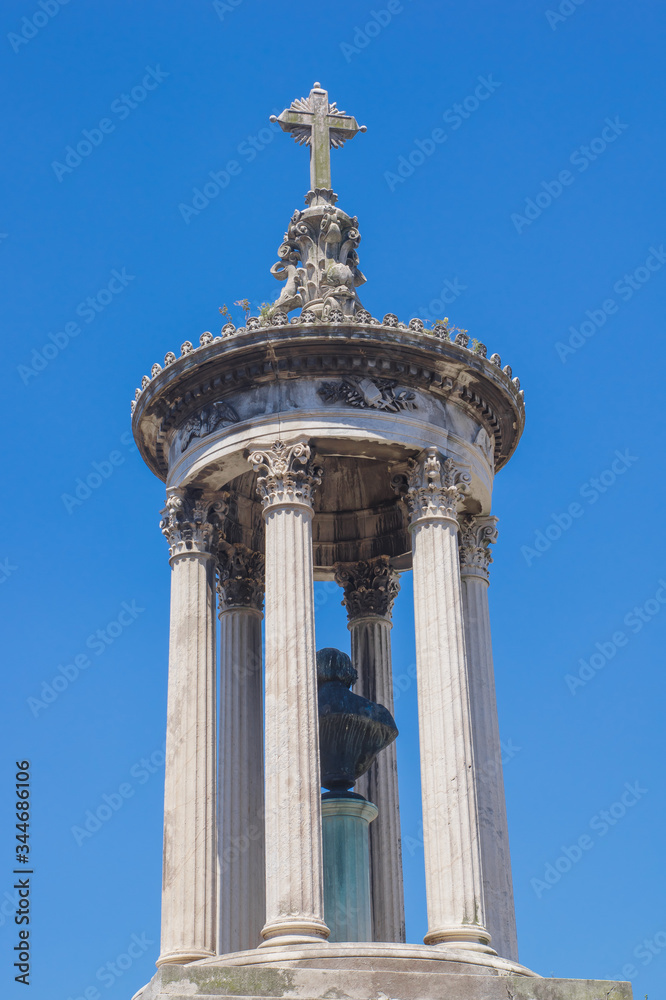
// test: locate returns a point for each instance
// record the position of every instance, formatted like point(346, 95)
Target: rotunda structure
point(320, 443)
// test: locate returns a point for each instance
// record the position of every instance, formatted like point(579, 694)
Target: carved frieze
point(367, 393)
point(207, 420)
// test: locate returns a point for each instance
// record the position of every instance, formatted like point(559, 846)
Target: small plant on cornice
point(441, 322)
point(245, 306)
point(226, 313)
point(266, 310)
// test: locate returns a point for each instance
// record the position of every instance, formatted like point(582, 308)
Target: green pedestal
point(347, 906)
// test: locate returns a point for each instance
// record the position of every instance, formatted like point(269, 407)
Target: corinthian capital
point(286, 474)
point(476, 536)
point(190, 521)
point(370, 587)
point(240, 578)
point(432, 487)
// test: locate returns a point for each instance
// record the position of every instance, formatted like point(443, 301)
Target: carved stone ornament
point(319, 264)
point(370, 587)
point(212, 416)
point(191, 521)
point(240, 578)
point(433, 487)
point(286, 474)
point(318, 260)
point(485, 443)
point(476, 536)
point(367, 393)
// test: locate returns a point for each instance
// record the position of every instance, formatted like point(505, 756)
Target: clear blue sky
point(542, 216)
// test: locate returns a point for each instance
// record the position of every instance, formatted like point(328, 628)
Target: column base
point(294, 931)
point(181, 957)
point(467, 936)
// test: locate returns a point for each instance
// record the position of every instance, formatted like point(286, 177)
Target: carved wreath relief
point(366, 393)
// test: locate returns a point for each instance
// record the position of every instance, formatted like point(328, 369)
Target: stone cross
point(319, 125)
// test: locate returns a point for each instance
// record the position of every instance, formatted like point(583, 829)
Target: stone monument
point(317, 442)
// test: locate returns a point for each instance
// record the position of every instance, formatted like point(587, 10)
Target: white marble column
point(294, 870)
point(454, 887)
point(189, 879)
point(476, 534)
point(370, 587)
point(242, 901)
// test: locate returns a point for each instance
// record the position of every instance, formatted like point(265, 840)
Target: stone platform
point(373, 972)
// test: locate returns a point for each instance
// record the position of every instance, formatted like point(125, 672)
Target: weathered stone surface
point(195, 982)
point(454, 890)
point(294, 876)
point(476, 534)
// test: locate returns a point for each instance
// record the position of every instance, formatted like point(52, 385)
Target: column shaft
point(190, 865)
point(371, 656)
point(242, 910)
point(450, 818)
point(495, 857)
point(294, 869)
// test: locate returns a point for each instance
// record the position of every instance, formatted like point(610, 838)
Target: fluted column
point(189, 880)
point(294, 870)
point(370, 589)
point(476, 534)
point(242, 901)
point(454, 887)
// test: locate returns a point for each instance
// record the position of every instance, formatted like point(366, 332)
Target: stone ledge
point(202, 981)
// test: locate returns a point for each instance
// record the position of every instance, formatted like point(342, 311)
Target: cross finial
point(319, 125)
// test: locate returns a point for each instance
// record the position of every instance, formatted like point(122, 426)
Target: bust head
point(334, 665)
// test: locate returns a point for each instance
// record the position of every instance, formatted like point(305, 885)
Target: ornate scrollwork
point(370, 587)
point(212, 416)
point(367, 393)
point(240, 577)
point(477, 534)
point(191, 520)
point(286, 474)
point(433, 486)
